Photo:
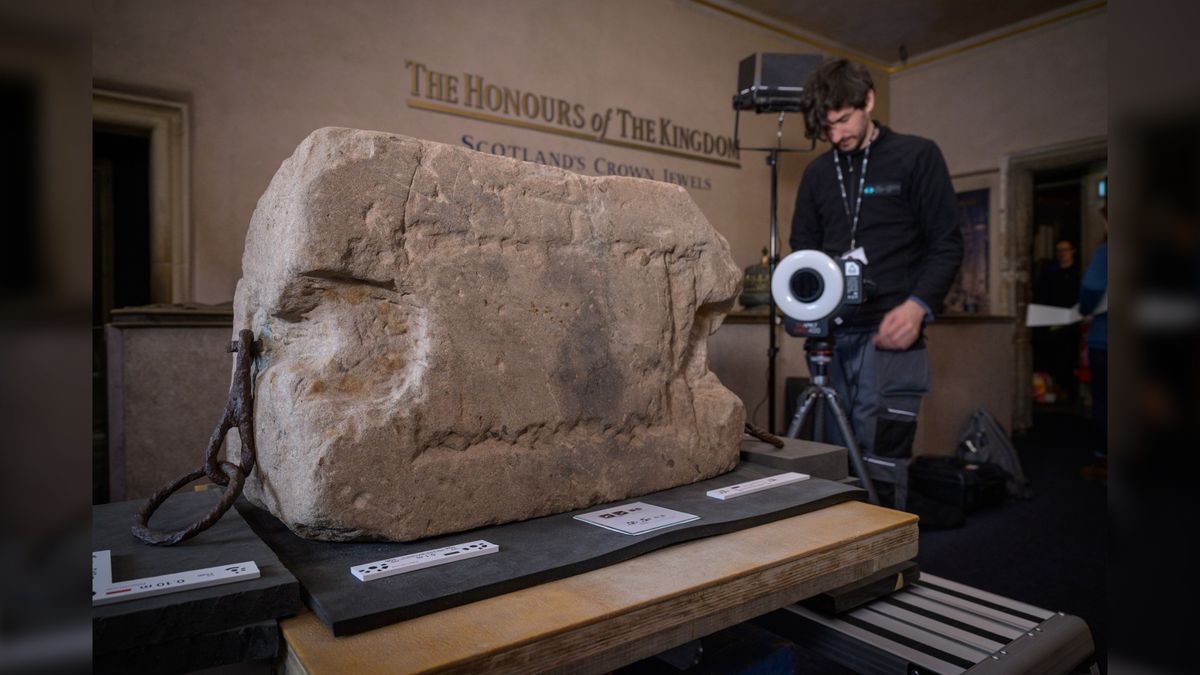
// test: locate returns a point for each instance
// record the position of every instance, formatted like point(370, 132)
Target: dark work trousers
point(880, 391)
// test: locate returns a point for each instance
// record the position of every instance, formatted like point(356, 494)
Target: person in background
point(1058, 346)
point(1093, 302)
point(884, 198)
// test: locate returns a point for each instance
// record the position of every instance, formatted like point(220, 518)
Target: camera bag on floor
point(983, 440)
point(891, 481)
point(935, 514)
point(953, 482)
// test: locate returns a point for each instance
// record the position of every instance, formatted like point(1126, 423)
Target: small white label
point(859, 253)
point(757, 485)
point(171, 583)
point(101, 571)
point(417, 561)
point(636, 518)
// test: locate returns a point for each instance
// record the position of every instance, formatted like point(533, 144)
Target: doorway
point(120, 260)
point(141, 251)
point(1054, 197)
point(1063, 203)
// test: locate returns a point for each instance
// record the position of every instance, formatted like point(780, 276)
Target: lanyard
point(862, 183)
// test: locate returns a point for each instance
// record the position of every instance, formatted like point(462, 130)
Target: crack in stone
point(541, 432)
point(338, 276)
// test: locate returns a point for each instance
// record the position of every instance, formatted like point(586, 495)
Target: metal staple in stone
point(239, 411)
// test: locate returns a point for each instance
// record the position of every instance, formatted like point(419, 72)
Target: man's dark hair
point(835, 84)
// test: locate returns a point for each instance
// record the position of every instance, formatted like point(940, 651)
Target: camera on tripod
point(817, 293)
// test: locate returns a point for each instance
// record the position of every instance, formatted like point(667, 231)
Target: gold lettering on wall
point(473, 97)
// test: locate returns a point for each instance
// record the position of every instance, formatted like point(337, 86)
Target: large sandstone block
point(453, 339)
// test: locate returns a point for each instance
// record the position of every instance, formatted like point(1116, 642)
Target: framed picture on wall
point(978, 207)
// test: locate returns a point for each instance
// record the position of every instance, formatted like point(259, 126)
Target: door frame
point(166, 123)
point(1016, 274)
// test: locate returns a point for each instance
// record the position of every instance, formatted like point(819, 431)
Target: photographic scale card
point(636, 518)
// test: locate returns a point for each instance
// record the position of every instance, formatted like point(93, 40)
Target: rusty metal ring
point(212, 466)
point(764, 435)
point(239, 411)
point(141, 528)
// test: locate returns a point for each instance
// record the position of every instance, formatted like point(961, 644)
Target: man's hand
point(901, 326)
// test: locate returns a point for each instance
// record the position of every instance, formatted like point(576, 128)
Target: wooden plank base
point(610, 617)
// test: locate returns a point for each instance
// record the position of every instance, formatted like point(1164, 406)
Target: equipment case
point(953, 482)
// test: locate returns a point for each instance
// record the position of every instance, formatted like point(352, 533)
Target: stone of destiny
point(452, 339)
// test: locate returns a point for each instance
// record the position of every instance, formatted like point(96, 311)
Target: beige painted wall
point(1043, 88)
point(1040, 88)
point(260, 76)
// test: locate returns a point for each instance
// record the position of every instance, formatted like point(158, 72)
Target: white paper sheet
point(1049, 315)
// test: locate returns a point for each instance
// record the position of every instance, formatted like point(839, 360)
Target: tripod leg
point(810, 394)
point(851, 445)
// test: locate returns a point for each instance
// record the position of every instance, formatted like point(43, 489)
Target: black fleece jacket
point(908, 225)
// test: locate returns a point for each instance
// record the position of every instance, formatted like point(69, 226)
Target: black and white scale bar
point(416, 561)
point(101, 570)
point(636, 518)
point(750, 487)
point(122, 591)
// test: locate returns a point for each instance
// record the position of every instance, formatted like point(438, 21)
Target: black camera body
point(816, 293)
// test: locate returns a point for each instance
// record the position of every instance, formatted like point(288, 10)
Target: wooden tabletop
point(601, 620)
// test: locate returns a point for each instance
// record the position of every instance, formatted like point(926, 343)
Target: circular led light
point(826, 280)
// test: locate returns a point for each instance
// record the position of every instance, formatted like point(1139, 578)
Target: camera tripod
point(773, 242)
point(820, 354)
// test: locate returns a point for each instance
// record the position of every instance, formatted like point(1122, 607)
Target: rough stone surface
point(453, 339)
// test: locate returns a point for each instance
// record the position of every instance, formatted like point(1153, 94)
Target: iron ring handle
point(141, 526)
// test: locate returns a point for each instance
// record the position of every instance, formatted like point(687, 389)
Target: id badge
point(857, 253)
point(852, 263)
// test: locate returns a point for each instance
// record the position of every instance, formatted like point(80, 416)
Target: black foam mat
point(531, 552)
point(146, 621)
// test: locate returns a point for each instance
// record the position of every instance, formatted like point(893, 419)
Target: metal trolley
point(935, 625)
